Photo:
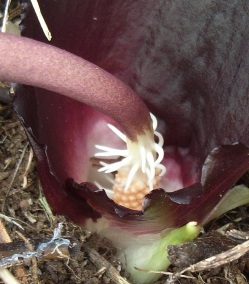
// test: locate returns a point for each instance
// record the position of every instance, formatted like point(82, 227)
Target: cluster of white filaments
point(140, 169)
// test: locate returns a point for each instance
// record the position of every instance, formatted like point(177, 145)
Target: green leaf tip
point(152, 255)
point(235, 197)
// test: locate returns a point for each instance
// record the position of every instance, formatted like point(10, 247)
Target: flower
point(176, 65)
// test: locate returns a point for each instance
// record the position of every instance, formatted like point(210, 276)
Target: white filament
point(41, 19)
point(145, 155)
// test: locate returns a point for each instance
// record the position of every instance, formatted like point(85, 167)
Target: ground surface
point(20, 198)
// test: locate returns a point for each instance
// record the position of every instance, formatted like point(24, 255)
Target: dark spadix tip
point(30, 62)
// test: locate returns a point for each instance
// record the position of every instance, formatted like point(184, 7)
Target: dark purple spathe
point(189, 62)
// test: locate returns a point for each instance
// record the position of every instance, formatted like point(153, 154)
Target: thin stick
point(41, 19)
point(6, 16)
point(101, 263)
point(27, 168)
point(165, 273)
point(4, 236)
point(14, 175)
point(5, 274)
point(220, 259)
point(7, 277)
point(10, 220)
point(34, 267)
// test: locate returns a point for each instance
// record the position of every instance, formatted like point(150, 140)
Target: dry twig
point(34, 268)
point(4, 274)
point(14, 174)
point(103, 264)
point(7, 277)
point(220, 259)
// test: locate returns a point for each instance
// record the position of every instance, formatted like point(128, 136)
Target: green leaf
point(153, 255)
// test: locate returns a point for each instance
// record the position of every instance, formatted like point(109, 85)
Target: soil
point(20, 199)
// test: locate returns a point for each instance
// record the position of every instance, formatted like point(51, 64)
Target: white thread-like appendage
point(140, 167)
